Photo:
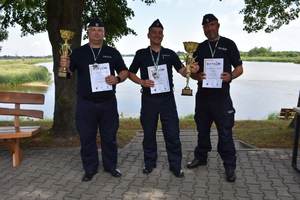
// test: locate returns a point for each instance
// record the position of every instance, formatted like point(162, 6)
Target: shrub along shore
point(23, 71)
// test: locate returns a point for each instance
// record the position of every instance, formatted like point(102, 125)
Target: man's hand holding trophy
point(65, 52)
point(191, 66)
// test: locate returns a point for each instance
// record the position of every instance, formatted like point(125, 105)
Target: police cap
point(208, 18)
point(96, 22)
point(156, 23)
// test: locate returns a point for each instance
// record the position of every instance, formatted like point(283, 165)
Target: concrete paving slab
point(56, 174)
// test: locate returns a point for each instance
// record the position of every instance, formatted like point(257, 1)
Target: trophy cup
point(65, 50)
point(190, 48)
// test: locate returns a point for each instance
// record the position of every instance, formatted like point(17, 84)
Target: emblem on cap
point(96, 22)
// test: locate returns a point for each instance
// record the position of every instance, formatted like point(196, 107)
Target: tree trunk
point(64, 14)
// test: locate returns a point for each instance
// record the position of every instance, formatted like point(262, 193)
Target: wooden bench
point(286, 113)
point(10, 135)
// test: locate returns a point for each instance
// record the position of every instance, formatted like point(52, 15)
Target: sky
point(182, 22)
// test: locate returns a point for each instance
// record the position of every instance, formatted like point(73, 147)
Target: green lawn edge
point(260, 133)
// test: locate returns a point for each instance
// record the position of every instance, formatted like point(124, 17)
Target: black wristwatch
point(119, 79)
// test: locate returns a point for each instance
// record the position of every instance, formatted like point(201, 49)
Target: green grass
point(16, 72)
point(262, 134)
point(265, 133)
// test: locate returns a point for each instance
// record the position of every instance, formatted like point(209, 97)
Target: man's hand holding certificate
point(213, 68)
point(98, 72)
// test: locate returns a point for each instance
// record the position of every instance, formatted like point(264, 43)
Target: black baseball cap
point(208, 18)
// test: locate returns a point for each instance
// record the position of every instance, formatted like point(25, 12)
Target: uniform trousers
point(221, 112)
point(163, 107)
point(93, 116)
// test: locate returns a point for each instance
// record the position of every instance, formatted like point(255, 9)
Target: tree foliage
point(3, 35)
point(29, 14)
point(32, 18)
point(269, 15)
point(259, 51)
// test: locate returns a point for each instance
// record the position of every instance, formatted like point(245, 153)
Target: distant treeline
point(267, 52)
point(267, 55)
point(23, 57)
point(262, 54)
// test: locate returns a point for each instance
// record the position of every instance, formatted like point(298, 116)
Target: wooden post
point(16, 152)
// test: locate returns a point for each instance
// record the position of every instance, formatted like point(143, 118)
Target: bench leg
point(14, 147)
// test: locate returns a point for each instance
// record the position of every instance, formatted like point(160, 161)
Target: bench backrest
point(18, 98)
point(287, 113)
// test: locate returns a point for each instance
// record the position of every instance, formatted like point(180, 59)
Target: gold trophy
point(65, 50)
point(190, 48)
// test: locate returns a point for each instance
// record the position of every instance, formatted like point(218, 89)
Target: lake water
point(264, 88)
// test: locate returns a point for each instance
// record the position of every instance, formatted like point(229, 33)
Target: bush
point(273, 116)
point(15, 74)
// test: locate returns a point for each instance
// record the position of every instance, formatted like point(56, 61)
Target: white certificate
point(98, 72)
point(213, 68)
point(160, 78)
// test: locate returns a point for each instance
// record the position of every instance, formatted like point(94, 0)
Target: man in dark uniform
point(213, 104)
point(155, 64)
point(96, 64)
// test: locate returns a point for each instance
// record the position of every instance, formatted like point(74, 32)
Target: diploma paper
point(98, 72)
point(160, 78)
point(213, 68)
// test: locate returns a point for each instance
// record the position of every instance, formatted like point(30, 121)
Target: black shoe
point(114, 172)
point(195, 163)
point(178, 173)
point(147, 170)
point(230, 174)
point(88, 176)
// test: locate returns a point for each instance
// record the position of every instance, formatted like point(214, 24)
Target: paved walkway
point(56, 174)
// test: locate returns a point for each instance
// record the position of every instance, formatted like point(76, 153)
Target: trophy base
point(62, 74)
point(66, 75)
point(187, 92)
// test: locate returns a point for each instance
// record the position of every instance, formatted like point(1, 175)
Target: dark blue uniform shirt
point(82, 57)
point(143, 59)
point(225, 49)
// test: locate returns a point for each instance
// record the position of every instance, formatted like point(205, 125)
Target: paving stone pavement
point(56, 174)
